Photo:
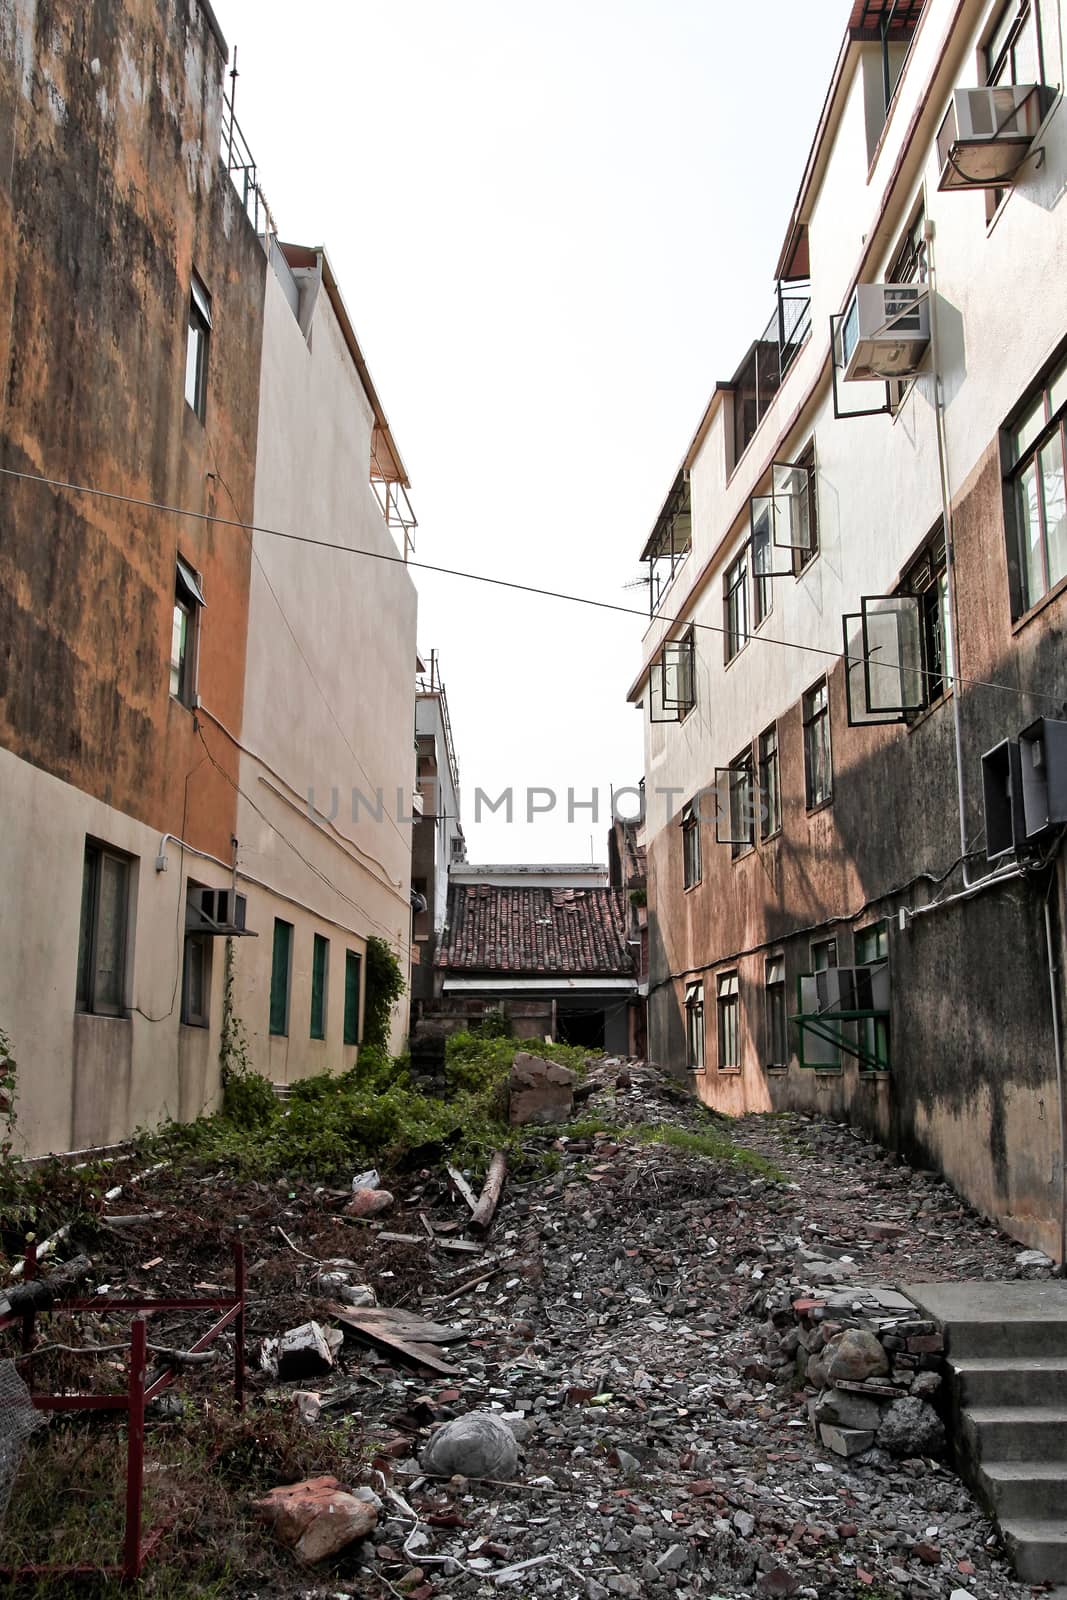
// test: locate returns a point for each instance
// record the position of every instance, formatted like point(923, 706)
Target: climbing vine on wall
point(385, 985)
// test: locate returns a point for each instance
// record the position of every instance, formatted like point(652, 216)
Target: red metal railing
point(136, 1546)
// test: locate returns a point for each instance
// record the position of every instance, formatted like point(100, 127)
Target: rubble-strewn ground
point(663, 1453)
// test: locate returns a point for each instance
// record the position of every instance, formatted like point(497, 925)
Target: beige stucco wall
point(329, 694)
point(86, 1080)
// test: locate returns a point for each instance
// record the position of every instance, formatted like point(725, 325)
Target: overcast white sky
point(555, 226)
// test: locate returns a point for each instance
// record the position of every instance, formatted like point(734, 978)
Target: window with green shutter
point(281, 968)
point(319, 957)
point(353, 965)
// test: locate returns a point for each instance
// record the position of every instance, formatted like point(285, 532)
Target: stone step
point(1037, 1547)
point(1025, 1489)
point(1022, 1381)
point(1029, 1338)
point(1016, 1433)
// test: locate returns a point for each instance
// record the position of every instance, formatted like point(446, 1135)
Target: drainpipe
point(950, 571)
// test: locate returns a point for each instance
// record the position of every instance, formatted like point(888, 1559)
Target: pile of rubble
point(636, 1364)
point(666, 1369)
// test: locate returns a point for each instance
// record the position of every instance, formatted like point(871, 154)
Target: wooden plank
point(407, 1324)
point(462, 1187)
point(423, 1355)
point(466, 1247)
point(482, 1219)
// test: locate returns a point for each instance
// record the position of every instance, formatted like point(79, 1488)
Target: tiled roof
point(572, 932)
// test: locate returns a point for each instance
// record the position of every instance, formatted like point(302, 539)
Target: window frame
point(320, 977)
point(776, 1021)
point(741, 781)
point(692, 862)
point(991, 68)
point(873, 1032)
point(728, 1018)
point(281, 984)
point(927, 579)
point(802, 559)
point(770, 816)
point(87, 1000)
point(833, 961)
point(813, 716)
point(1017, 462)
point(185, 665)
point(735, 605)
point(190, 1016)
point(198, 328)
point(352, 1032)
point(695, 1036)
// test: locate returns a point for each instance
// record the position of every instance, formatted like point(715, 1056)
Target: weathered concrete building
point(206, 757)
point(438, 844)
point(326, 761)
point(131, 303)
point(857, 587)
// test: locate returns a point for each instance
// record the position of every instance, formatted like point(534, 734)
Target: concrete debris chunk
point(540, 1091)
point(478, 1445)
point(304, 1352)
point(316, 1517)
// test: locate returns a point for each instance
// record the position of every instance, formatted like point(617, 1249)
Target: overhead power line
point(505, 583)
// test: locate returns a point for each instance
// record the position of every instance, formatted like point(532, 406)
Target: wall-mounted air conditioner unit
point(885, 332)
point(1002, 794)
point(1043, 759)
point(987, 134)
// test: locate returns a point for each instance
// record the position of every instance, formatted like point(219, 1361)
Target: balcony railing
point(761, 373)
point(241, 165)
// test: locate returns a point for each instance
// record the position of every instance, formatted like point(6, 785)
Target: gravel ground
point(661, 1453)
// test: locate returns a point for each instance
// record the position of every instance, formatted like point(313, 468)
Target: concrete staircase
point(1007, 1350)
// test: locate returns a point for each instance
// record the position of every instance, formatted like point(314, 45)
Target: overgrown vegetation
point(371, 1115)
point(385, 985)
point(713, 1145)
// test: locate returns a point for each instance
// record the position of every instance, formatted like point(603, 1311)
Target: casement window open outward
point(672, 680)
point(885, 666)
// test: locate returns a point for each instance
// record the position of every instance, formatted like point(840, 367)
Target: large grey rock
point(540, 1091)
point(855, 1356)
point(910, 1427)
point(478, 1445)
point(847, 1410)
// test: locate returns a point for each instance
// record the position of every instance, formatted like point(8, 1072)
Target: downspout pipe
point(1057, 1041)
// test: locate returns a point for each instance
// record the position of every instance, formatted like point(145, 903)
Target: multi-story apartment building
point(438, 844)
point(327, 769)
point(131, 321)
point(186, 705)
point(857, 594)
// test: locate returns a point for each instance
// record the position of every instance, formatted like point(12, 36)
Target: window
point(817, 763)
point(197, 347)
point(672, 680)
point(776, 1019)
point(196, 981)
point(280, 974)
point(735, 605)
point(909, 264)
point(728, 1006)
point(770, 783)
point(320, 955)
point(762, 563)
point(872, 948)
point(102, 939)
point(1035, 450)
point(823, 959)
point(690, 846)
point(353, 965)
point(185, 634)
point(805, 549)
point(742, 811)
point(1012, 55)
point(928, 579)
point(694, 1027)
